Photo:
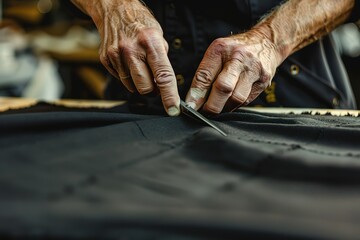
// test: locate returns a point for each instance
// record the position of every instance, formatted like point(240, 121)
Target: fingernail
point(191, 104)
point(173, 111)
point(197, 93)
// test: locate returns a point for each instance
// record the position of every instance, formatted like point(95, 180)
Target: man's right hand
point(133, 48)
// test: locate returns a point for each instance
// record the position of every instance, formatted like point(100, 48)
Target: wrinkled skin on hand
point(133, 48)
point(233, 72)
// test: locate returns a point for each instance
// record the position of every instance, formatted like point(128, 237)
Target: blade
point(189, 111)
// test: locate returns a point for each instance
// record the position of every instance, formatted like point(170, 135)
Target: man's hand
point(133, 48)
point(236, 69)
point(233, 72)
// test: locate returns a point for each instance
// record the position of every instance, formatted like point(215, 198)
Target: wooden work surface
point(18, 103)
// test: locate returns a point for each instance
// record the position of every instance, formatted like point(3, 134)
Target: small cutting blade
point(189, 111)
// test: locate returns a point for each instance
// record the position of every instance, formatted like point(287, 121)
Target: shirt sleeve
point(72, 11)
point(355, 14)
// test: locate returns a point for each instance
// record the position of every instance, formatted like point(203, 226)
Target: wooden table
point(18, 103)
point(7, 103)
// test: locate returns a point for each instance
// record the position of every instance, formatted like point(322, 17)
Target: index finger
point(208, 70)
point(164, 77)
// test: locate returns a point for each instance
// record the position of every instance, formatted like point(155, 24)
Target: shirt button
point(335, 102)
point(294, 69)
point(180, 79)
point(176, 43)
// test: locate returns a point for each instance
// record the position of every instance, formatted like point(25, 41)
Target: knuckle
point(104, 60)
point(238, 98)
point(149, 31)
point(122, 46)
point(223, 87)
point(122, 49)
point(143, 90)
point(233, 70)
point(242, 53)
point(168, 98)
point(164, 76)
point(145, 40)
point(133, 60)
point(211, 108)
point(112, 52)
point(149, 37)
point(264, 79)
point(218, 45)
point(223, 47)
point(255, 64)
point(245, 59)
point(204, 78)
point(258, 87)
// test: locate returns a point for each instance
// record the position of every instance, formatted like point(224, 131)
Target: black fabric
point(111, 174)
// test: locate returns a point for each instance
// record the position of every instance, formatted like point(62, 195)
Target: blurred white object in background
point(75, 39)
point(46, 83)
point(8, 62)
point(347, 38)
point(23, 74)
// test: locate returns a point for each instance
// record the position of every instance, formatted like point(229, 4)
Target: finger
point(223, 87)
point(260, 82)
point(125, 77)
point(112, 50)
point(165, 78)
point(105, 61)
point(141, 75)
point(242, 91)
point(103, 52)
point(208, 70)
point(257, 88)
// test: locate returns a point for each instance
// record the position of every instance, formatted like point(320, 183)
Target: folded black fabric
point(109, 174)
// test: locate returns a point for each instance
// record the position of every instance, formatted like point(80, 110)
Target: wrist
point(268, 38)
point(98, 9)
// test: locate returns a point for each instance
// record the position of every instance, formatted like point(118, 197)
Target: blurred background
point(49, 50)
